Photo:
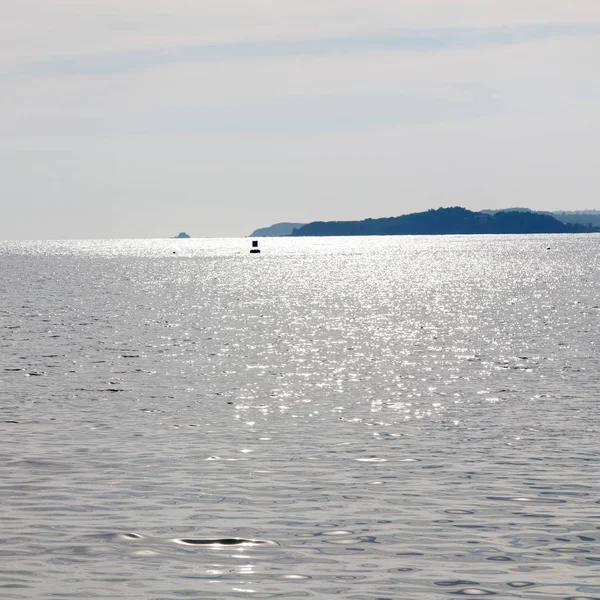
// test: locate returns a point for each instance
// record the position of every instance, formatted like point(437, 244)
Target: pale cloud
point(306, 93)
point(43, 29)
point(403, 41)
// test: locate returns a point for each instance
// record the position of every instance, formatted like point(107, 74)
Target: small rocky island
point(182, 236)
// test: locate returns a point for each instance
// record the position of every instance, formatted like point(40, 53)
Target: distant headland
point(277, 230)
point(182, 236)
point(452, 221)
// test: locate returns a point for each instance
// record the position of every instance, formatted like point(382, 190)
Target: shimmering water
point(374, 418)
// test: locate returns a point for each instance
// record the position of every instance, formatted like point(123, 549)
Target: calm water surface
point(373, 418)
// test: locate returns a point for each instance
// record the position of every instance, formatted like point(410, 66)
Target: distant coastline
point(277, 230)
point(454, 221)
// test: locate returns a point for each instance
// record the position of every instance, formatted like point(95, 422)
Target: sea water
point(363, 418)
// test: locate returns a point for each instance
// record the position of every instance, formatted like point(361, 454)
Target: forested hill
point(445, 221)
point(582, 217)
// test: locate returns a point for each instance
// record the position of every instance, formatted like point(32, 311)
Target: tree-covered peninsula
point(446, 221)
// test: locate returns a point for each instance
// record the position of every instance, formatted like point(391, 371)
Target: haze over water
point(366, 418)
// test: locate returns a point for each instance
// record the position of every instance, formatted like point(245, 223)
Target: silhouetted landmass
point(446, 221)
point(581, 217)
point(181, 236)
point(591, 218)
point(277, 230)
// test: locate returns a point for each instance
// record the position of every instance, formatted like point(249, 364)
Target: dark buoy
point(255, 249)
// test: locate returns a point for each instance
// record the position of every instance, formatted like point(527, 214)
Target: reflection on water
point(364, 418)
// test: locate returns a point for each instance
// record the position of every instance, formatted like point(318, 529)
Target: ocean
point(363, 418)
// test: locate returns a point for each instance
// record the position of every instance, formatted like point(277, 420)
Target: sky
point(144, 118)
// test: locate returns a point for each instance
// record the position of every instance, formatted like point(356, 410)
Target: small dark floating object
point(222, 542)
point(255, 249)
point(455, 582)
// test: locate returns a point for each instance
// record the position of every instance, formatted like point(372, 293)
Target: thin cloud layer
point(402, 41)
point(36, 29)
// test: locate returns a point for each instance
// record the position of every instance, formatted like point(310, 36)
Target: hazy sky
point(143, 118)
